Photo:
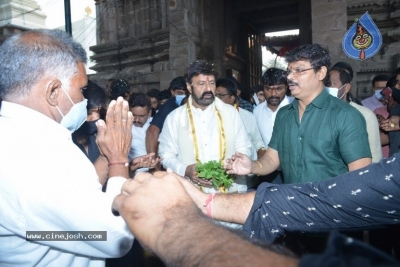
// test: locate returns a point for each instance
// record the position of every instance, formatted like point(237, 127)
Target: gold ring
point(392, 125)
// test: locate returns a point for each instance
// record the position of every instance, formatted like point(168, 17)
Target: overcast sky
point(54, 10)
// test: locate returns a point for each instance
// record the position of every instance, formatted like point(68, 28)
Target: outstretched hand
point(150, 203)
point(192, 175)
point(238, 164)
point(144, 161)
point(390, 124)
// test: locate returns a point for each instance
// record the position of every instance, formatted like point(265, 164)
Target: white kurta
point(138, 144)
point(374, 138)
point(250, 124)
point(48, 184)
point(176, 140)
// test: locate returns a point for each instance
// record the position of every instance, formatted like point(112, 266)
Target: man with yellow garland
point(204, 129)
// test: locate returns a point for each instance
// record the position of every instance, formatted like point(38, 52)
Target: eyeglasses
point(220, 95)
point(295, 72)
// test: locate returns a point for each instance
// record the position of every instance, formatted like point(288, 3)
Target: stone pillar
point(305, 22)
point(329, 24)
point(181, 50)
point(196, 32)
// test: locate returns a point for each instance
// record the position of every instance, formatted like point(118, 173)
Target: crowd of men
point(71, 150)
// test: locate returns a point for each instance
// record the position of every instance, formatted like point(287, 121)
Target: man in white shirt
point(204, 129)
point(46, 182)
point(140, 106)
point(275, 89)
point(226, 91)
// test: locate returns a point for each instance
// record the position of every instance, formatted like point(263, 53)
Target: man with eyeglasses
point(204, 129)
point(317, 136)
point(227, 92)
point(316, 133)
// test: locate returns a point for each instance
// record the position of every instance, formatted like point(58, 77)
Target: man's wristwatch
point(263, 148)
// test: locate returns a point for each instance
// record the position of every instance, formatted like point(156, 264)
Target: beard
point(202, 101)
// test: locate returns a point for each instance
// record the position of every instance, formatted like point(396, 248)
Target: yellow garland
point(222, 139)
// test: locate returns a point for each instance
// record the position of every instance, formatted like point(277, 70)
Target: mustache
point(290, 82)
point(206, 93)
point(137, 122)
point(273, 98)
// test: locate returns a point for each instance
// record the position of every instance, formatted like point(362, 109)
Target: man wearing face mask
point(340, 87)
point(315, 137)
point(96, 102)
point(179, 91)
point(85, 136)
point(376, 100)
point(203, 130)
point(46, 182)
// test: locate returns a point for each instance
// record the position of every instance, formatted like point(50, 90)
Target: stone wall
point(332, 18)
point(133, 42)
point(151, 42)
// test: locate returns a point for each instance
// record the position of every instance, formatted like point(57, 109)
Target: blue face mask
point(76, 116)
point(378, 94)
point(179, 98)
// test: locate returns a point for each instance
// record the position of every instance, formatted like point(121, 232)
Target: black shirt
point(161, 115)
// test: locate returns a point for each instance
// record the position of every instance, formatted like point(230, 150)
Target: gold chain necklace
point(222, 139)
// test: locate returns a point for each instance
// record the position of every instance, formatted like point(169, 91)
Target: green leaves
point(214, 170)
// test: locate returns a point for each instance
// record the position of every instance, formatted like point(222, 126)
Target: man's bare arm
point(152, 134)
point(360, 163)
point(384, 138)
point(223, 207)
point(269, 161)
point(163, 217)
point(241, 164)
point(101, 166)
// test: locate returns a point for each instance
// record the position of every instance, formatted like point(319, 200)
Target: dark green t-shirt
point(331, 135)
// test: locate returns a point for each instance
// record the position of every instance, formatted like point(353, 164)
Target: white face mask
point(334, 91)
point(76, 116)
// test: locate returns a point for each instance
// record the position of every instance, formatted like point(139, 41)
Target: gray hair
point(28, 57)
